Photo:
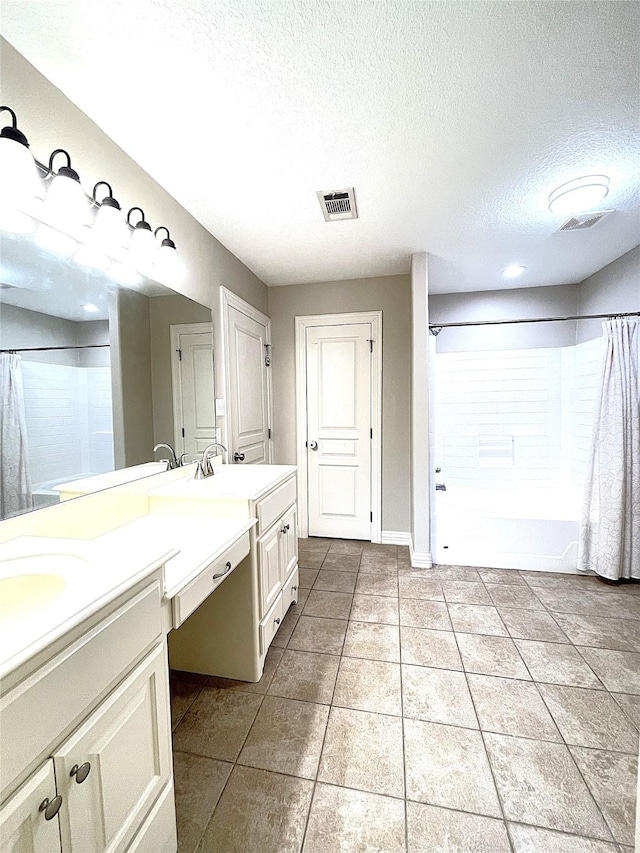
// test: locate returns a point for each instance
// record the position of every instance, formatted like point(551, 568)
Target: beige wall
point(392, 296)
point(166, 311)
point(615, 287)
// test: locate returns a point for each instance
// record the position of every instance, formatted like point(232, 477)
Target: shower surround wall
point(68, 402)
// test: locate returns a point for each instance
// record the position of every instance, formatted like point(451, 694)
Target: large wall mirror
point(93, 374)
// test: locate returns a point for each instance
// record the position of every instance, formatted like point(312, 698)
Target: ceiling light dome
point(579, 194)
point(513, 270)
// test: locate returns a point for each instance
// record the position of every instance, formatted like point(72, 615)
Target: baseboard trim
point(420, 561)
point(395, 537)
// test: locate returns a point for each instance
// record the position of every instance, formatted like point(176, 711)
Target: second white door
point(339, 430)
point(249, 434)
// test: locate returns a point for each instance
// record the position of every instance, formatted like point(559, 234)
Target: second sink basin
point(21, 594)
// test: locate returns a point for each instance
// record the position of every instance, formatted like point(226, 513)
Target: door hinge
point(179, 351)
point(371, 433)
point(370, 344)
point(269, 433)
point(370, 516)
point(183, 432)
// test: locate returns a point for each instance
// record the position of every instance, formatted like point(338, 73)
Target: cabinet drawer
point(290, 591)
point(44, 706)
point(270, 624)
point(273, 505)
point(186, 601)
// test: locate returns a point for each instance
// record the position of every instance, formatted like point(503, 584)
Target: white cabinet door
point(289, 541)
point(127, 742)
point(339, 430)
point(270, 559)
point(23, 827)
point(249, 389)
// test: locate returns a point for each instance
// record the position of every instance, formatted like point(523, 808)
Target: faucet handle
point(200, 472)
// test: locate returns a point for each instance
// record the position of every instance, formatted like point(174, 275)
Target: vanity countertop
point(230, 482)
point(49, 585)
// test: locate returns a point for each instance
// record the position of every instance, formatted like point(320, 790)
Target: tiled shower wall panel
point(64, 406)
point(499, 417)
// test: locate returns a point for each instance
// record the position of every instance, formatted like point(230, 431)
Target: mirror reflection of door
point(193, 394)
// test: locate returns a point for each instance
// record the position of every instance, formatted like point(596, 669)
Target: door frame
point(176, 380)
point(228, 299)
point(301, 325)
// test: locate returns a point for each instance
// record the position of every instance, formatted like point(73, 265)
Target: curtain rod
point(436, 327)
point(43, 349)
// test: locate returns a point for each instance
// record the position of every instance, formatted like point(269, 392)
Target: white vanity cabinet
point(230, 633)
point(93, 718)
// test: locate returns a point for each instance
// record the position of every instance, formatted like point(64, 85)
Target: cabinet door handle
point(294, 588)
point(80, 772)
point(50, 807)
point(284, 530)
point(227, 569)
point(288, 526)
point(277, 621)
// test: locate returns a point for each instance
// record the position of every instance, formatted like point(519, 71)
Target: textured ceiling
point(453, 121)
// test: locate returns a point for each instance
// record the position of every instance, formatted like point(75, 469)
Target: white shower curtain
point(15, 486)
point(610, 532)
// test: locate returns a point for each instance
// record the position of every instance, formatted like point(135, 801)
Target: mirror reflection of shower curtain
point(15, 484)
point(610, 532)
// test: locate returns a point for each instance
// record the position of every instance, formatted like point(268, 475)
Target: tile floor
point(447, 709)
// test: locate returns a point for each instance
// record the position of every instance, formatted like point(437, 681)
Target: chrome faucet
point(205, 468)
point(173, 462)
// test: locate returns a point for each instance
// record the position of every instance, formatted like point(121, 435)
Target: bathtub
point(535, 529)
point(45, 494)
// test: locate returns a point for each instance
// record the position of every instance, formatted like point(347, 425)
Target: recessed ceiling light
point(513, 271)
point(579, 195)
point(90, 307)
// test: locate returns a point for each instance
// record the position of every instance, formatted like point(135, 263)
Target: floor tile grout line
point(486, 751)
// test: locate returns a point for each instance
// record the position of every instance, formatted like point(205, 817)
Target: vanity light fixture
point(513, 271)
point(108, 232)
point(579, 194)
point(167, 263)
point(143, 245)
point(66, 207)
point(19, 178)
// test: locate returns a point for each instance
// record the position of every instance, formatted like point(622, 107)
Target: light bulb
point(66, 206)
point(19, 180)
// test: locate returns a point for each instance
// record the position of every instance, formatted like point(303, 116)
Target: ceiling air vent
point(582, 221)
point(338, 204)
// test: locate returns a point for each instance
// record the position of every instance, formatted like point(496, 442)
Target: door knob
point(313, 445)
point(238, 457)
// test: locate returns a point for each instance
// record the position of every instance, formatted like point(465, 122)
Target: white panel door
point(126, 743)
point(339, 423)
point(249, 389)
point(195, 418)
point(23, 827)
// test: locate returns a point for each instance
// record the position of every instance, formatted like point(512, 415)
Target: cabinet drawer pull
point(227, 569)
point(294, 589)
point(80, 772)
point(284, 530)
point(287, 527)
point(50, 807)
point(277, 621)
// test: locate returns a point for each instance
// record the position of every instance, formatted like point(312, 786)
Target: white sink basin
point(24, 593)
point(48, 564)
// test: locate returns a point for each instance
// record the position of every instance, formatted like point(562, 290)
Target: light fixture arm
point(142, 223)
point(167, 240)
point(13, 132)
point(108, 200)
point(65, 171)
